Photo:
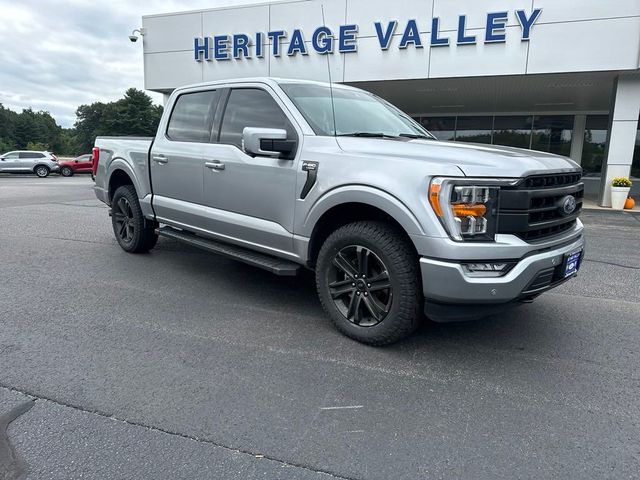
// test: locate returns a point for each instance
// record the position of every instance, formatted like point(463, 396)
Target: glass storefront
point(595, 143)
point(635, 167)
point(552, 133)
point(443, 128)
point(513, 131)
point(474, 129)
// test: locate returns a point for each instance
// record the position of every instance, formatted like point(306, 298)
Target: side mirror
point(271, 142)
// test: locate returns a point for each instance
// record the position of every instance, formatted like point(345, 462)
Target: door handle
point(215, 165)
point(162, 159)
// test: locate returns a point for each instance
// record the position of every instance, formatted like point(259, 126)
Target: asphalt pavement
point(180, 364)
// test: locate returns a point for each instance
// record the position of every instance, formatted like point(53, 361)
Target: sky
point(57, 55)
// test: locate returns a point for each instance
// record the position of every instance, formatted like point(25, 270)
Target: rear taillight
point(54, 158)
point(95, 158)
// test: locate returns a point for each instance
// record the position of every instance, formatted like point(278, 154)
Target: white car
point(25, 161)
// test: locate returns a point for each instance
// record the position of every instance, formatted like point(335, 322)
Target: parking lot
point(182, 364)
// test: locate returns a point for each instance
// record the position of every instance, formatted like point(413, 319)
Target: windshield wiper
point(366, 134)
point(414, 136)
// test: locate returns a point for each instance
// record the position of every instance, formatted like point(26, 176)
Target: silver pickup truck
point(287, 174)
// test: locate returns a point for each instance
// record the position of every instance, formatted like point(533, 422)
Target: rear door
point(252, 198)
point(28, 160)
point(177, 157)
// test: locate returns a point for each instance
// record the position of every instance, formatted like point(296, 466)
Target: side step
point(260, 260)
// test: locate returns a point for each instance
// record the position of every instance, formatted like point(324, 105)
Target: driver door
point(10, 162)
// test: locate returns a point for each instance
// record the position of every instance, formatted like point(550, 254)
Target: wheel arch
point(118, 178)
point(343, 207)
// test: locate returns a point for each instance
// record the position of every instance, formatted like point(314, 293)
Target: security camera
point(133, 38)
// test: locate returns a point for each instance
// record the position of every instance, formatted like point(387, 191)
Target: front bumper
point(446, 283)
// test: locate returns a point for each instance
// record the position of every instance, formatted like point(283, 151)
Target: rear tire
point(369, 284)
point(66, 172)
point(132, 231)
point(42, 171)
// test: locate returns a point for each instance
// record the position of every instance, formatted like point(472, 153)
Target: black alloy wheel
point(125, 226)
point(360, 286)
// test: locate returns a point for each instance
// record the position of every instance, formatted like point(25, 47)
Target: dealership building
point(560, 76)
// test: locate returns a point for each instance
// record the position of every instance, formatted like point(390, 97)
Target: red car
point(81, 164)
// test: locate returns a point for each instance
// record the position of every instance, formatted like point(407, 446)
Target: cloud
point(56, 55)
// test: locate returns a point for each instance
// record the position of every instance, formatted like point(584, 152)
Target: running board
point(256, 259)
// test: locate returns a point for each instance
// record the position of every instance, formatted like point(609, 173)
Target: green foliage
point(134, 114)
point(621, 182)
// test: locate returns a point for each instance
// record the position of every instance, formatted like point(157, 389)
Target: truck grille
point(533, 209)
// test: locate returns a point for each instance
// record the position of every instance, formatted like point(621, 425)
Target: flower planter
point(619, 196)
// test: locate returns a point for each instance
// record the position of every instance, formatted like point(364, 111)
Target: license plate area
point(572, 263)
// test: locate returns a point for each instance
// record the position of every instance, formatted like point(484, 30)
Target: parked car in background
point(25, 161)
point(81, 164)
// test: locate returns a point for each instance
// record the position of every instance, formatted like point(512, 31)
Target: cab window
point(192, 117)
point(251, 107)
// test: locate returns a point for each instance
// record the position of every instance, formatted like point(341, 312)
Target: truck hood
point(474, 160)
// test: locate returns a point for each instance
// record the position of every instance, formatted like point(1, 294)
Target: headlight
point(467, 208)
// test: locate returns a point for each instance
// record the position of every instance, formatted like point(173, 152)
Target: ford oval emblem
point(568, 205)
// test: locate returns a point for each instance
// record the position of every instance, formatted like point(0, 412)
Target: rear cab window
point(192, 117)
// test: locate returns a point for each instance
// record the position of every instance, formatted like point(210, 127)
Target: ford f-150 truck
point(290, 174)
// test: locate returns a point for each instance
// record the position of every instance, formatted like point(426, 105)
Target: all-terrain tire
point(383, 244)
point(133, 233)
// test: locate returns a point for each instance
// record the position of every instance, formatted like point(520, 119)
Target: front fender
point(374, 197)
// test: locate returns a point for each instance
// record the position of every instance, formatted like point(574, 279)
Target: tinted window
point(474, 129)
point(444, 128)
point(192, 117)
point(512, 131)
point(595, 144)
point(552, 133)
point(31, 155)
point(11, 155)
point(251, 107)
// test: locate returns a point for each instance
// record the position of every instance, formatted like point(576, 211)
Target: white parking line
point(348, 407)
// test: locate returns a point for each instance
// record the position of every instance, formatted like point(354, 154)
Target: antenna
point(333, 106)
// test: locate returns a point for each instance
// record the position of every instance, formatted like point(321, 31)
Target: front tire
point(42, 171)
point(66, 172)
point(368, 283)
point(129, 226)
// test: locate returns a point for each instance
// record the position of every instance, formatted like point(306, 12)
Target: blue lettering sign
point(297, 44)
point(275, 37)
point(496, 22)
point(437, 41)
point(411, 35)
point(322, 40)
point(462, 27)
point(202, 51)
point(259, 45)
point(527, 23)
point(221, 47)
point(347, 39)
point(241, 44)
point(385, 37)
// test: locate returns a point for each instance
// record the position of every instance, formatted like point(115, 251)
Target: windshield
point(357, 113)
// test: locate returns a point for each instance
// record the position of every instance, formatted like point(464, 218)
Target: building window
point(513, 131)
point(595, 144)
point(474, 129)
point(444, 128)
point(552, 134)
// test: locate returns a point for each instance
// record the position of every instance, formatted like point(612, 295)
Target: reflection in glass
point(552, 133)
point(595, 144)
point(512, 131)
point(444, 128)
point(635, 167)
point(474, 129)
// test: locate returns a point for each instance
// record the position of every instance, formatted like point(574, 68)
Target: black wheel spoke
point(380, 282)
point(343, 264)
point(363, 261)
point(123, 229)
point(119, 217)
point(122, 205)
point(342, 287)
point(377, 310)
point(354, 309)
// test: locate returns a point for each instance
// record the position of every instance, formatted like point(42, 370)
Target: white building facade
point(560, 76)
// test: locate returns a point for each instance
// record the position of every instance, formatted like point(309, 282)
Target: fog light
point(487, 269)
